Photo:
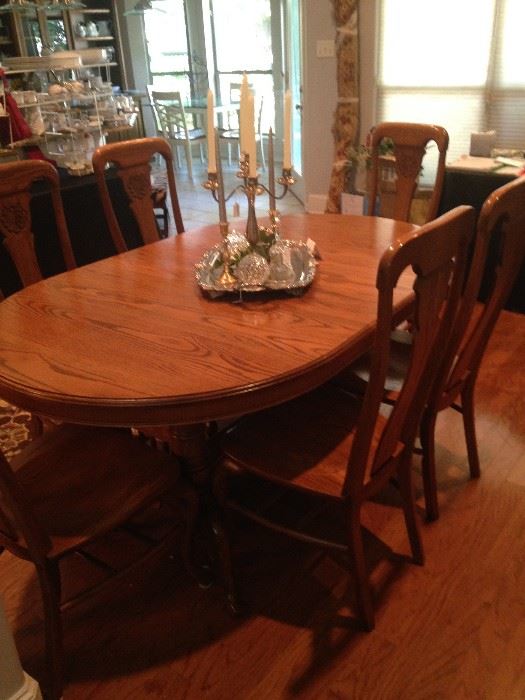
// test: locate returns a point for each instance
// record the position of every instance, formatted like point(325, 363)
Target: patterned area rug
point(16, 429)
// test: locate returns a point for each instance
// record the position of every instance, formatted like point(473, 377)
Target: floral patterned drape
point(346, 122)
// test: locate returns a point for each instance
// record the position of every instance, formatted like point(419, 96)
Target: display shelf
point(104, 36)
point(18, 71)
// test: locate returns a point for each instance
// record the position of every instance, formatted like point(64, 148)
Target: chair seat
point(355, 377)
point(193, 135)
point(233, 134)
point(101, 471)
point(309, 452)
point(229, 134)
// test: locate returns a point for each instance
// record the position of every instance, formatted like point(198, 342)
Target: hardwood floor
point(454, 628)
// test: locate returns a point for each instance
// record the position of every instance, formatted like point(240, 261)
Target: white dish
point(92, 56)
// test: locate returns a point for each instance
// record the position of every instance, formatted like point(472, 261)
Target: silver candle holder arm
point(251, 188)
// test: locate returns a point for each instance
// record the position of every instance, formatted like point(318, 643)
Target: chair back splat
point(132, 160)
point(336, 448)
point(409, 144)
point(16, 180)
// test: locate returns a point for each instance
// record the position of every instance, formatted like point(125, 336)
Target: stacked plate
point(61, 60)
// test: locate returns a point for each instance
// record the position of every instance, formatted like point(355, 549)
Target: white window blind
point(456, 63)
point(506, 96)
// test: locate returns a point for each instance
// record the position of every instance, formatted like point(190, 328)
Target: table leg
point(189, 443)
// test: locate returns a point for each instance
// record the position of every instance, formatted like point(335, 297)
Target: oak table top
point(132, 340)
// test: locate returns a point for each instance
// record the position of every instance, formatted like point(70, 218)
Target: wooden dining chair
point(67, 495)
point(16, 181)
point(500, 230)
point(499, 237)
point(409, 143)
point(175, 127)
point(132, 160)
point(325, 453)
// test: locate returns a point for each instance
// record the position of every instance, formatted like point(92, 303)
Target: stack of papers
point(501, 164)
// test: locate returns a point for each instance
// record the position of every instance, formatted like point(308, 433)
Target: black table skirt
point(462, 187)
point(88, 231)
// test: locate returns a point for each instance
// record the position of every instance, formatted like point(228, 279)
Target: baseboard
point(30, 690)
point(316, 203)
point(351, 203)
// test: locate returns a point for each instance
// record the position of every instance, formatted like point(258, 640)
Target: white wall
point(319, 98)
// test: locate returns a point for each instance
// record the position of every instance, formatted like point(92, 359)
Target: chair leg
point(201, 573)
point(358, 569)
point(49, 578)
point(222, 540)
point(219, 516)
point(263, 159)
point(165, 221)
point(427, 435)
point(187, 149)
point(406, 489)
point(467, 409)
point(177, 156)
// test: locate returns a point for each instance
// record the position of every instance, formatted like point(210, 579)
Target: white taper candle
point(212, 158)
point(243, 123)
point(287, 127)
point(250, 137)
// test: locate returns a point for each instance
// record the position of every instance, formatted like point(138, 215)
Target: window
point(242, 40)
point(192, 45)
point(455, 63)
point(166, 36)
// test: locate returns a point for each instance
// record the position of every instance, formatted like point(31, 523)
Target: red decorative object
point(19, 128)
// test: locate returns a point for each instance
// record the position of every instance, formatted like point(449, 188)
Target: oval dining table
point(131, 340)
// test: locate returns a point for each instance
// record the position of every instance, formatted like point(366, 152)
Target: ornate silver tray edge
point(207, 269)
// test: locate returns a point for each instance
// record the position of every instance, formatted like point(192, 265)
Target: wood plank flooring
point(454, 628)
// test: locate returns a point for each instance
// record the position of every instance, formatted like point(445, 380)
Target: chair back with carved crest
point(132, 160)
point(16, 181)
point(409, 143)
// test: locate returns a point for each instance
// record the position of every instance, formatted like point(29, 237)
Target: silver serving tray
point(208, 271)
